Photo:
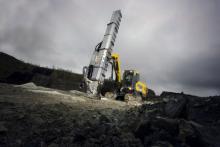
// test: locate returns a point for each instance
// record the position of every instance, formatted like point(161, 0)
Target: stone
point(3, 128)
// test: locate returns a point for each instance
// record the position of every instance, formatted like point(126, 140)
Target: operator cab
point(130, 78)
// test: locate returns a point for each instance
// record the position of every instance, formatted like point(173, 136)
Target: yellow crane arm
point(117, 66)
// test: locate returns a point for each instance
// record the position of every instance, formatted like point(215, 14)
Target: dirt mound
point(28, 85)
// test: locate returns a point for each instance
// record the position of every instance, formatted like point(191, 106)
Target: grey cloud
point(174, 44)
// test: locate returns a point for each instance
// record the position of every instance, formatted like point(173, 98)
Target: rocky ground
point(38, 116)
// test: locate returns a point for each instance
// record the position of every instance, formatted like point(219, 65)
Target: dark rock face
point(151, 93)
point(184, 121)
point(176, 107)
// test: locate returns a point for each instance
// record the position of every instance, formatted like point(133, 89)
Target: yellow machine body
point(119, 86)
point(132, 85)
point(141, 88)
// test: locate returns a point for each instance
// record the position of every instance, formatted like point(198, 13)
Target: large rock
point(151, 93)
point(204, 110)
point(176, 107)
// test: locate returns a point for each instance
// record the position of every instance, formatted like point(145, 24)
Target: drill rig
point(95, 73)
point(129, 87)
point(126, 88)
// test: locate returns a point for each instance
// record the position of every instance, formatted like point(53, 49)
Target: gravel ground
point(38, 116)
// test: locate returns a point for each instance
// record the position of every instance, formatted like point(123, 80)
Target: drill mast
point(94, 74)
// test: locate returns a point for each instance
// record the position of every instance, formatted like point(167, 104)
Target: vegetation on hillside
point(15, 71)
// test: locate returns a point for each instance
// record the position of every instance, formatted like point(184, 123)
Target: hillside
point(14, 71)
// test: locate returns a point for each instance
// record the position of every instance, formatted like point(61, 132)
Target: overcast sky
point(175, 44)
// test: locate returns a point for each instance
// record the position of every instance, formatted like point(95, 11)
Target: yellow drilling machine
point(128, 87)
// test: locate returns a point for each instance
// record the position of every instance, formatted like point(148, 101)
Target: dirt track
point(32, 94)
